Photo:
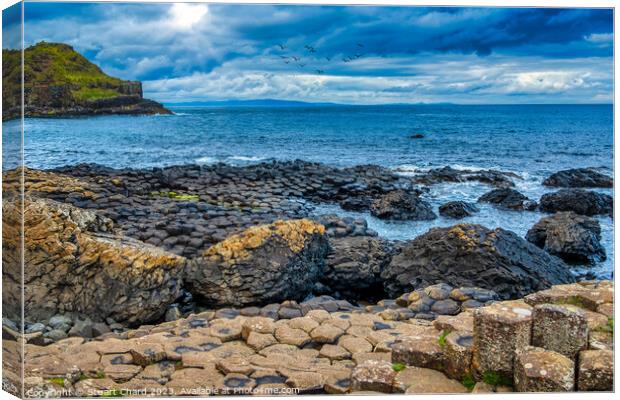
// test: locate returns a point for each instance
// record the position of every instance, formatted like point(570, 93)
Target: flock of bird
point(309, 50)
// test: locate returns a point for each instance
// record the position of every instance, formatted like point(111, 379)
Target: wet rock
point(60, 322)
point(500, 330)
point(354, 265)
point(540, 370)
point(508, 199)
point(472, 255)
point(401, 205)
point(560, 328)
point(572, 237)
point(579, 178)
point(449, 174)
point(595, 371)
point(263, 264)
point(457, 209)
point(82, 328)
point(580, 201)
point(173, 313)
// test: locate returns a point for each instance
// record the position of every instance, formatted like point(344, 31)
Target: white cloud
point(185, 15)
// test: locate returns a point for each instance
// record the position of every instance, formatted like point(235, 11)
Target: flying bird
point(320, 71)
point(295, 58)
point(310, 48)
point(328, 58)
point(301, 65)
point(282, 47)
point(360, 45)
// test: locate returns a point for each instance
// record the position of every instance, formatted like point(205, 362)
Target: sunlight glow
point(186, 15)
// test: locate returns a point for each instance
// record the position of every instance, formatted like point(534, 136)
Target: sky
point(353, 55)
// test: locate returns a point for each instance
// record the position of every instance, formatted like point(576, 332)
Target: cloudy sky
point(358, 55)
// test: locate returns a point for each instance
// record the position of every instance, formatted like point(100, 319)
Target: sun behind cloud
point(187, 15)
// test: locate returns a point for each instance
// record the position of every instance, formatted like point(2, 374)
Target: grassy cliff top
point(57, 64)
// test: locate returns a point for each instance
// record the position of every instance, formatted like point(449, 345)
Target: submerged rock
point(458, 209)
point(472, 255)
point(509, 199)
point(581, 201)
point(572, 237)
point(261, 265)
point(579, 178)
point(75, 264)
point(401, 205)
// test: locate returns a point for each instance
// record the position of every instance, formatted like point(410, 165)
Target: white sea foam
point(246, 158)
point(206, 160)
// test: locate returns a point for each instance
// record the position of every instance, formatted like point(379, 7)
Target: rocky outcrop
point(354, 265)
point(402, 205)
point(76, 262)
point(579, 178)
point(449, 174)
point(457, 209)
point(572, 237)
point(580, 201)
point(472, 255)
point(261, 265)
point(508, 199)
point(61, 82)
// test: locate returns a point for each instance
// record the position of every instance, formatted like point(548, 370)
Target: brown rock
point(355, 344)
point(561, 328)
point(259, 341)
point(306, 382)
point(373, 376)
point(499, 331)
point(457, 354)
point(326, 333)
point(596, 370)
point(287, 335)
point(423, 352)
point(258, 325)
point(540, 370)
point(414, 380)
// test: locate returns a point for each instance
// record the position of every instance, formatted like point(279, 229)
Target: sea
point(532, 141)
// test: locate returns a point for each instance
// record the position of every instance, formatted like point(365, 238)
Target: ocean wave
point(246, 158)
point(206, 160)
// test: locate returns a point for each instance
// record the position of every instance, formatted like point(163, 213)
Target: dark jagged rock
point(401, 205)
point(579, 178)
point(457, 209)
point(417, 136)
point(508, 199)
point(581, 201)
point(354, 266)
point(572, 237)
point(61, 82)
point(449, 174)
point(262, 265)
point(472, 255)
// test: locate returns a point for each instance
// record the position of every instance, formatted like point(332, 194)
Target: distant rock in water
point(61, 82)
point(574, 238)
point(472, 255)
point(579, 178)
point(401, 205)
point(416, 136)
point(458, 209)
point(508, 199)
point(581, 201)
point(449, 174)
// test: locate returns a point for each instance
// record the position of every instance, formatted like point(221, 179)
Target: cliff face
point(58, 81)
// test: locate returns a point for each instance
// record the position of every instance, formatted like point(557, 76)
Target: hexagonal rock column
point(561, 328)
point(540, 370)
point(499, 331)
point(596, 370)
point(457, 354)
point(373, 375)
point(422, 351)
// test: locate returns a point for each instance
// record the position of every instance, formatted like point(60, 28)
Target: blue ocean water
point(530, 140)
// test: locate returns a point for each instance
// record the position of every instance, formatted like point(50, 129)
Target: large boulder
point(354, 266)
point(572, 237)
point(449, 174)
point(263, 264)
point(579, 178)
point(457, 209)
point(75, 262)
point(508, 199)
point(581, 201)
point(401, 205)
point(472, 255)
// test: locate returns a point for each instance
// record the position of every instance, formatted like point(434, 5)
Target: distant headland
point(58, 81)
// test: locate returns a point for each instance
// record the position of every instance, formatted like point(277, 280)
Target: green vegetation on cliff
point(60, 81)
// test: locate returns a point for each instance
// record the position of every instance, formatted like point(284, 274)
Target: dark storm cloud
point(402, 47)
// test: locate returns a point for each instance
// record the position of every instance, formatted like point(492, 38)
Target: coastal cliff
point(58, 81)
